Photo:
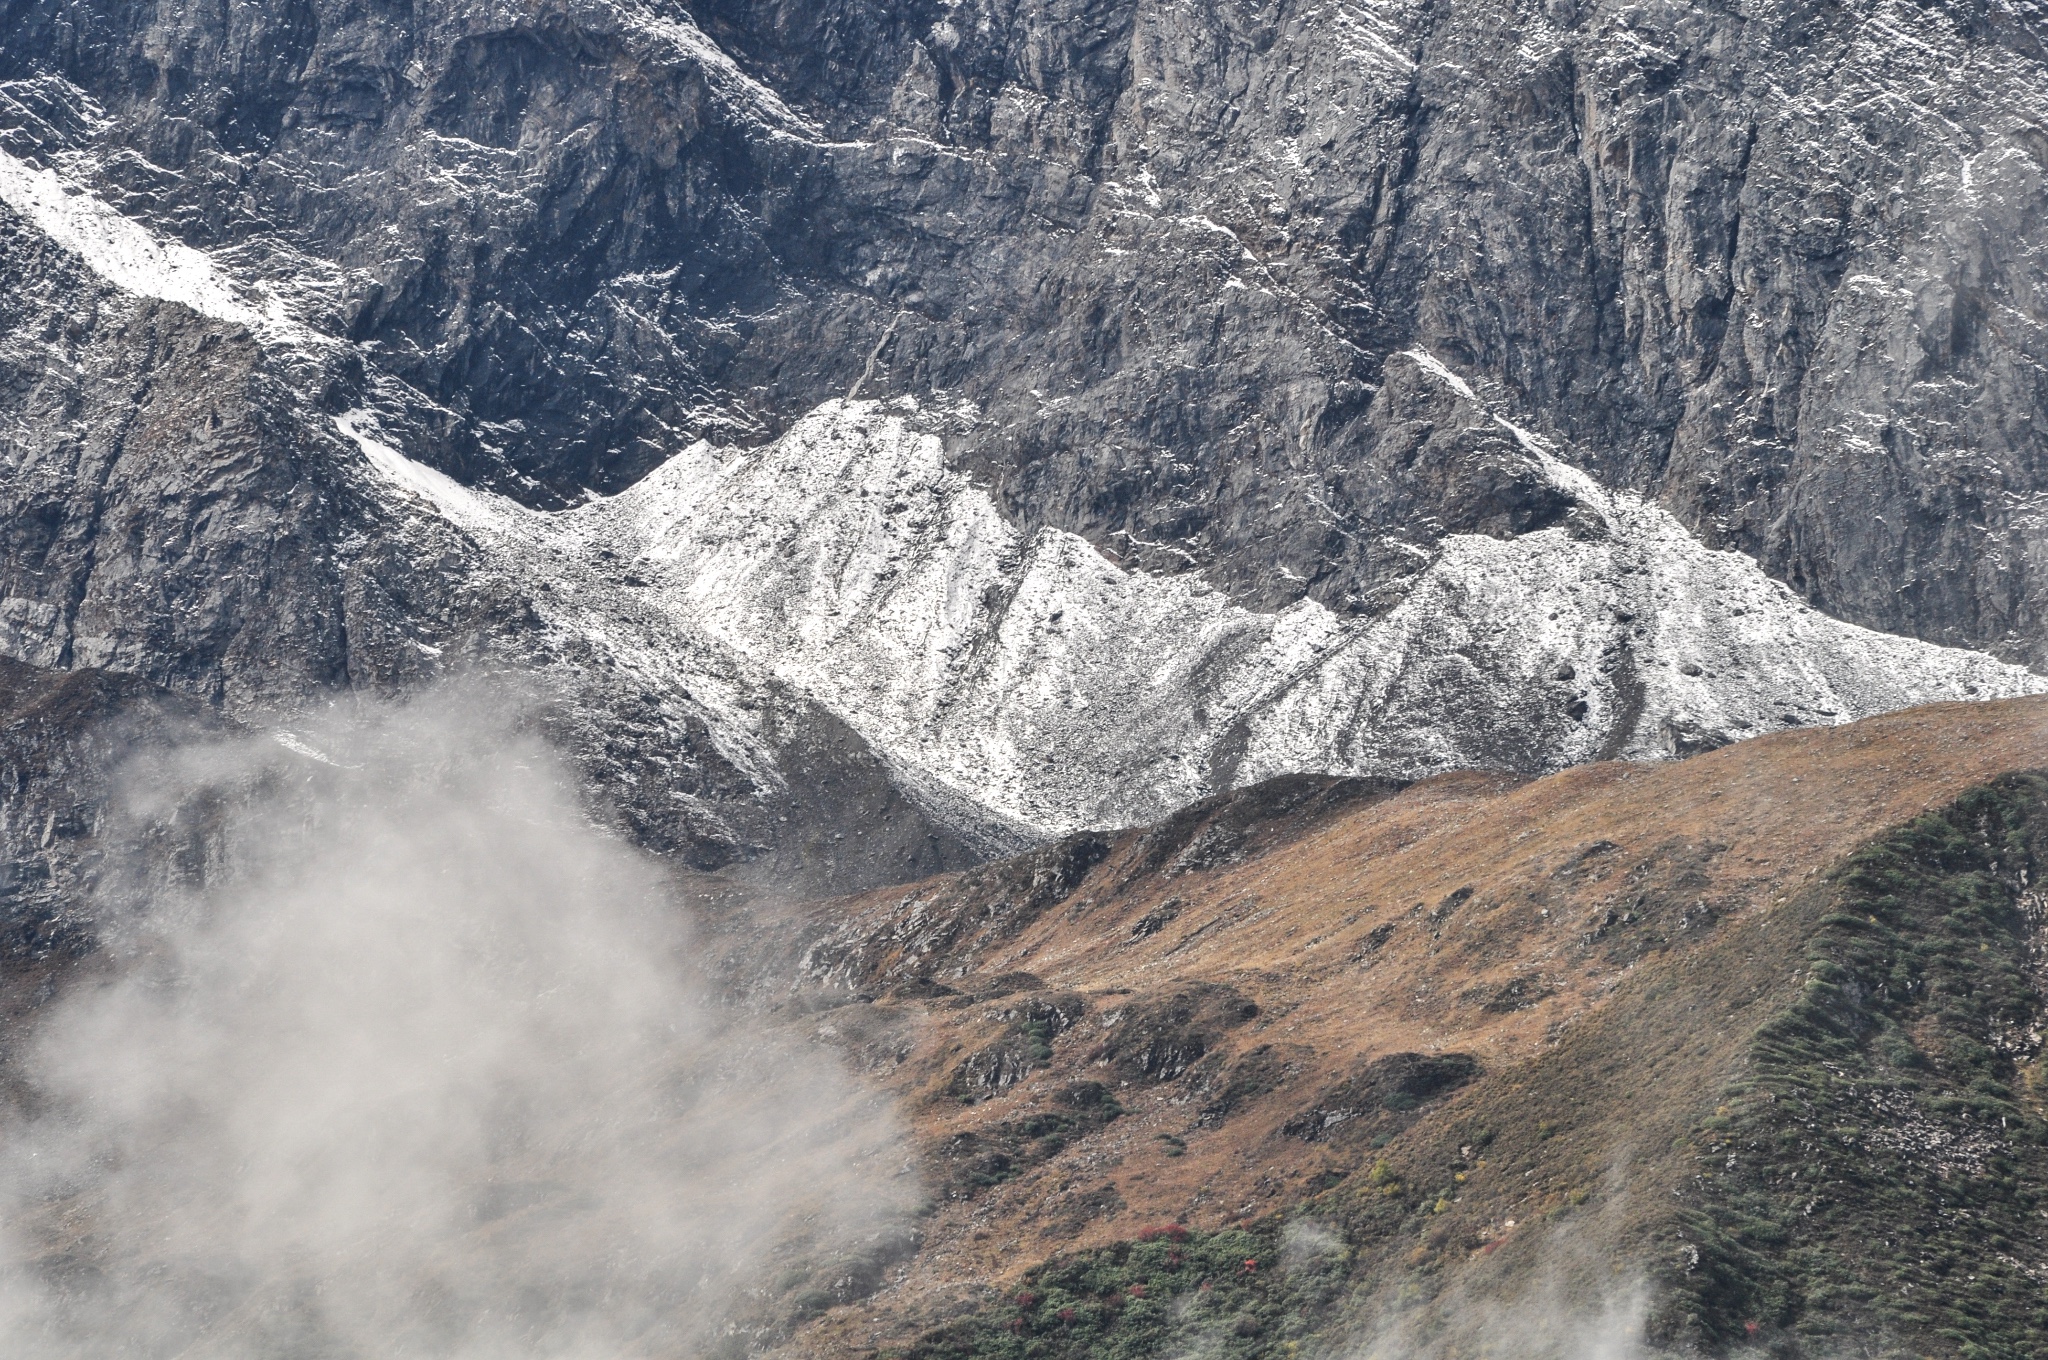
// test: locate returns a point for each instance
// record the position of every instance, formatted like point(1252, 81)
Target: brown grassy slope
point(1466, 915)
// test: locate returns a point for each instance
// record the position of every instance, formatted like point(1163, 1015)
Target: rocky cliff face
point(63, 740)
point(1371, 381)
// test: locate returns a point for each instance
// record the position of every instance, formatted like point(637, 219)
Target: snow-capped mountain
point(1032, 679)
point(946, 426)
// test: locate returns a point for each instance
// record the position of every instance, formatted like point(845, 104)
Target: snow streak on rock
point(128, 255)
point(449, 497)
point(720, 70)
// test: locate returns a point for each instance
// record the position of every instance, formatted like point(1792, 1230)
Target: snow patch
point(129, 255)
point(292, 742)
point(1441, 371)
point(464, 506)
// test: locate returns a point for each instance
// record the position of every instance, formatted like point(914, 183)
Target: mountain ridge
point(1452, 675)
point(1566, 935)
point(721, 253)
point(1183, 250)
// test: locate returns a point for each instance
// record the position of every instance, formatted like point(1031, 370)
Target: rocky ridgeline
point(1345, 386)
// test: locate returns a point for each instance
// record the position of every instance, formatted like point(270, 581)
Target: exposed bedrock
point(1776, 265)
point(1312, 303)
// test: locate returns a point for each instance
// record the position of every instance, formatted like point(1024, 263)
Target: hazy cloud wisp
point(422, 1069)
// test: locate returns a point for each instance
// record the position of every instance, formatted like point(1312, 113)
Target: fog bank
point(412, 1063)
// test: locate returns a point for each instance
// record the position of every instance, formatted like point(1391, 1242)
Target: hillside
point(1484, 1030)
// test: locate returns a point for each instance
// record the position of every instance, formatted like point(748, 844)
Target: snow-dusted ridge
point(1031, 677)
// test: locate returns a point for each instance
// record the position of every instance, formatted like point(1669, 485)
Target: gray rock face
point(178, 509)
point(63, 739)
point(1774, 267)
point(1776, 264)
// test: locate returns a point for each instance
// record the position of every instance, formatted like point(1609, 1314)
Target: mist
point(1570, 1293)
point(1540, 1322)
point(394, 1053)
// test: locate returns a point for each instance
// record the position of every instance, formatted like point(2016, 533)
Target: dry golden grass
point(1505, 913)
